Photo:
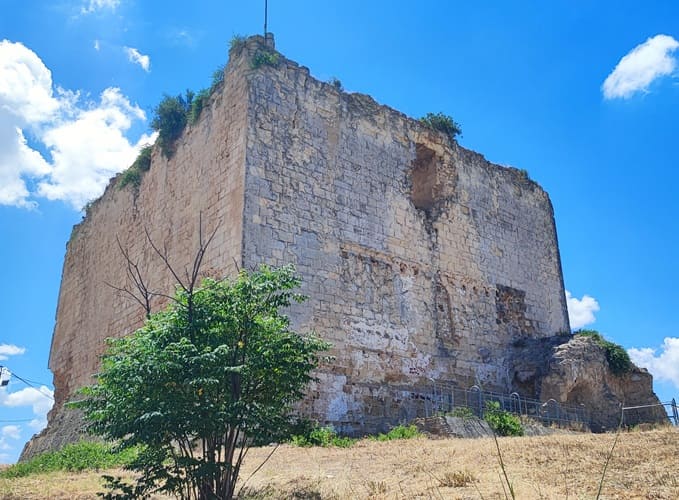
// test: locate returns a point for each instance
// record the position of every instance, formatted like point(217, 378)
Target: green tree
point(201, 382)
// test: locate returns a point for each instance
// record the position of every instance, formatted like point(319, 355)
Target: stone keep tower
point(422, 260)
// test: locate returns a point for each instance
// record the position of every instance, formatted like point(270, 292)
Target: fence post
point(477, 389)
point(675, 413)
point(515, 396)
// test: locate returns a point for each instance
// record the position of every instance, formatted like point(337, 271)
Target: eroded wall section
point(422, 260)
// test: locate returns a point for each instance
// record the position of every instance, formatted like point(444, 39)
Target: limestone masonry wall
point(205, 176)
point(421, 259)
point(423, 262)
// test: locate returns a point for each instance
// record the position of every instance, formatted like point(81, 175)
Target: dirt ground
point(643, 465)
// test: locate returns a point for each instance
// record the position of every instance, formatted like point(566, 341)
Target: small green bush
point(134, 173)
point(217, 78)
point(502, 422)
point(265, 58)
point(237, 42)
point(197, 105)
point(322, 436)
point(170, 118)
point(335, 82)
point(618, 360)
point(202, 97)
point(442, 123)
point(399, 432)
point(76, 457)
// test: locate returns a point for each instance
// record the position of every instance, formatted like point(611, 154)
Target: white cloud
point(41, 399)
point(640, 67)
point(85, 141)
point(97, 46)
point(7, 433)
point(581, 311)
point(95, 5)
point(138, 58)
point(38, 424)
point(665, 365)
point(7, 350)
point(11, 431)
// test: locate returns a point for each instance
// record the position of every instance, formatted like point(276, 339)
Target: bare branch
point(163, 256)
point(140, 292)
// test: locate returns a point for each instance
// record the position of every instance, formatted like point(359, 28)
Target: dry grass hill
point(644, 464)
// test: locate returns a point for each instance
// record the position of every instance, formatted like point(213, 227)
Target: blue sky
point(584, 95)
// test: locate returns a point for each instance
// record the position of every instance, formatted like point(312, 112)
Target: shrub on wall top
point(616, 355)
point(442, 123)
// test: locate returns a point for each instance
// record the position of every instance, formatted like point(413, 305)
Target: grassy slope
point(644, 465)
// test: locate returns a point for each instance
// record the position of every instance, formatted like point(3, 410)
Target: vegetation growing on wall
point(616, 355)
point(265, 57)
point(174, 112)
point(442, 123)
point(132, 176)
point(237, 42)
point(169, 120)
point(335, 82)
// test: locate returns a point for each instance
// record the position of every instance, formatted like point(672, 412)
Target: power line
point(31, 385)
point(36, 382)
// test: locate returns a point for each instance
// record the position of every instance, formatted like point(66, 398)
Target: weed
point(376, 488)
point(265, 58)
point(335, 82)
point(170, 118)
point(74, 457)
point(322, 436)
point(463, 412)
point(217, 78)
point(457, 479)
point(609, 455)
point(398, 432)
point(134, 173)
point(197, 105)
point(502, 422)
point(237, 42)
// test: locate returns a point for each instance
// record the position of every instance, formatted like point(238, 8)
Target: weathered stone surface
point(422, 260)
point(578, 373)
point(66, 426)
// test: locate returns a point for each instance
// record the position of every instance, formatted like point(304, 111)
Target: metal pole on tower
point(266, 12)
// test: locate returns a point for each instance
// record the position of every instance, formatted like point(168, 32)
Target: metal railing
point(635, 413)
point(445, 398)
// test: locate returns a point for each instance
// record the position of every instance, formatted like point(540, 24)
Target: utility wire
point(31, 385)
point(36, 382)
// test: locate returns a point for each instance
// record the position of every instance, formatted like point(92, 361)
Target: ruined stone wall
point(204, 176)
point(421, 259)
